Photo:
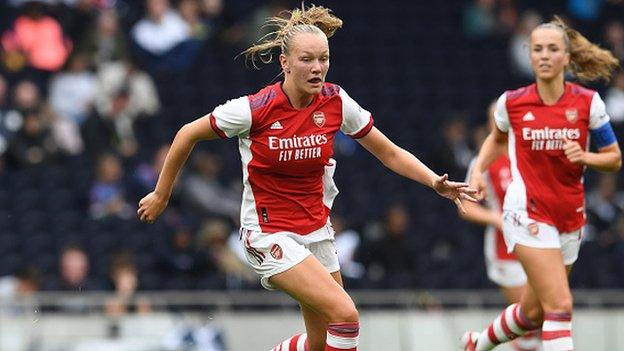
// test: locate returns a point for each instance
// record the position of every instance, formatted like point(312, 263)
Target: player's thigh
point(316, 324)
point(309, 283)
point(547, 275)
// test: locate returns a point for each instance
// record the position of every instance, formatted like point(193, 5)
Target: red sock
point(557, 332)
point(298, 342)
point(342, 336)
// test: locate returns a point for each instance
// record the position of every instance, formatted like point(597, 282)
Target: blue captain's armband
point(603, 136)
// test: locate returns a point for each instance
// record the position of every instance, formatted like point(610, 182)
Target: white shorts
point(505, 273)
point(271, 254)
point(518, 228)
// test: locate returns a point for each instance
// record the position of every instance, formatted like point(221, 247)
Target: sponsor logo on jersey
point(549, 138)
point(528, 117)
point(571, 115)
point(547, 133)
point(295, 141)
point(318, 117)
point(276, 125)
point(277, 252)
point(298, 147)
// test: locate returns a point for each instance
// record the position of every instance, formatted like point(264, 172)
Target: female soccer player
point(547, 127)
point(286, 133)
point(503, 268)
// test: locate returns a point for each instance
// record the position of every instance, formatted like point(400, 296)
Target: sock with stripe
point(342, 336)
point(530, 341)
point(295, 343)
point(557, 332)
point(509, 325)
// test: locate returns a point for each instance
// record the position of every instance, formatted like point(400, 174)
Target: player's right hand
point(150, 207)
point(477, 182)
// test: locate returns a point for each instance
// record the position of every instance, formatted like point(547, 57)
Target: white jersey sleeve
point(355, 119)
point(598, 116)
point(500, 114)
point(232, 118)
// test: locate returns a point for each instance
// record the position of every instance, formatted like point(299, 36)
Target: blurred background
point(92, 92)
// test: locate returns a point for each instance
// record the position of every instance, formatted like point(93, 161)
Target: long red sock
point(557, 332)
point(342, 336)
point(295, 343)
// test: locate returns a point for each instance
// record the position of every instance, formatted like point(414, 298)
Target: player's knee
point(345, 312)
point(561, 304)
point(534, 313)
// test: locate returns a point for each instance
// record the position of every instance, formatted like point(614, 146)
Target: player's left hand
point(573, 151)
point(454, 191)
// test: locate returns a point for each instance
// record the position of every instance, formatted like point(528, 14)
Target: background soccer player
point(547, 127)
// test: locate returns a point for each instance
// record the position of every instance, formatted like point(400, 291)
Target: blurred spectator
point(614, 99)
point(73, 92)
point(347, 245)
point(73, 276)
point(203, 190)
point(74, 269)
point(112, 130)
point(34, 144)
point(118, 76)
point(161, 29)
point(614, 35)
point(35, 39)
point(23, 284)
point(388, 254)
point(452, 154)
point(178, 259)
point(479, 18)
point(124, 276)
point(26, 96)
point(604, 205)
point(164, 41)
point(215, 253)
point(519, 44)
point(105, 42)
point(190, 10)
point(107, 194)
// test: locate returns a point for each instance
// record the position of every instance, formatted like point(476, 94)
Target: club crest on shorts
point(318, 117)
point(276, 252)
point(571, 115)
point(533, 228)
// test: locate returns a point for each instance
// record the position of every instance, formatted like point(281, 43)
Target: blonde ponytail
point(315, 19)
point(588, 61)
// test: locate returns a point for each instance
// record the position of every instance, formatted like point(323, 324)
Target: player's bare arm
point(607, 159)
point(404, 163)
point(154, 203)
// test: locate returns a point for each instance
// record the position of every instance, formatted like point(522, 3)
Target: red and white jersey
point(497, 179)
point(286, 154)
point(545, 183)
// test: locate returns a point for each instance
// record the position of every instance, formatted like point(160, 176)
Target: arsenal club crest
point(533, 228)
point(318, 117)
point(571, 115)
point(276, 252)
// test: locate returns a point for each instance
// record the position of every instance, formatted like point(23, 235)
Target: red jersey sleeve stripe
point(213, 124)
point(365, 130)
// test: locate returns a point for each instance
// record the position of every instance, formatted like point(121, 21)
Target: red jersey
point(545, 183)
point(286, 154)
